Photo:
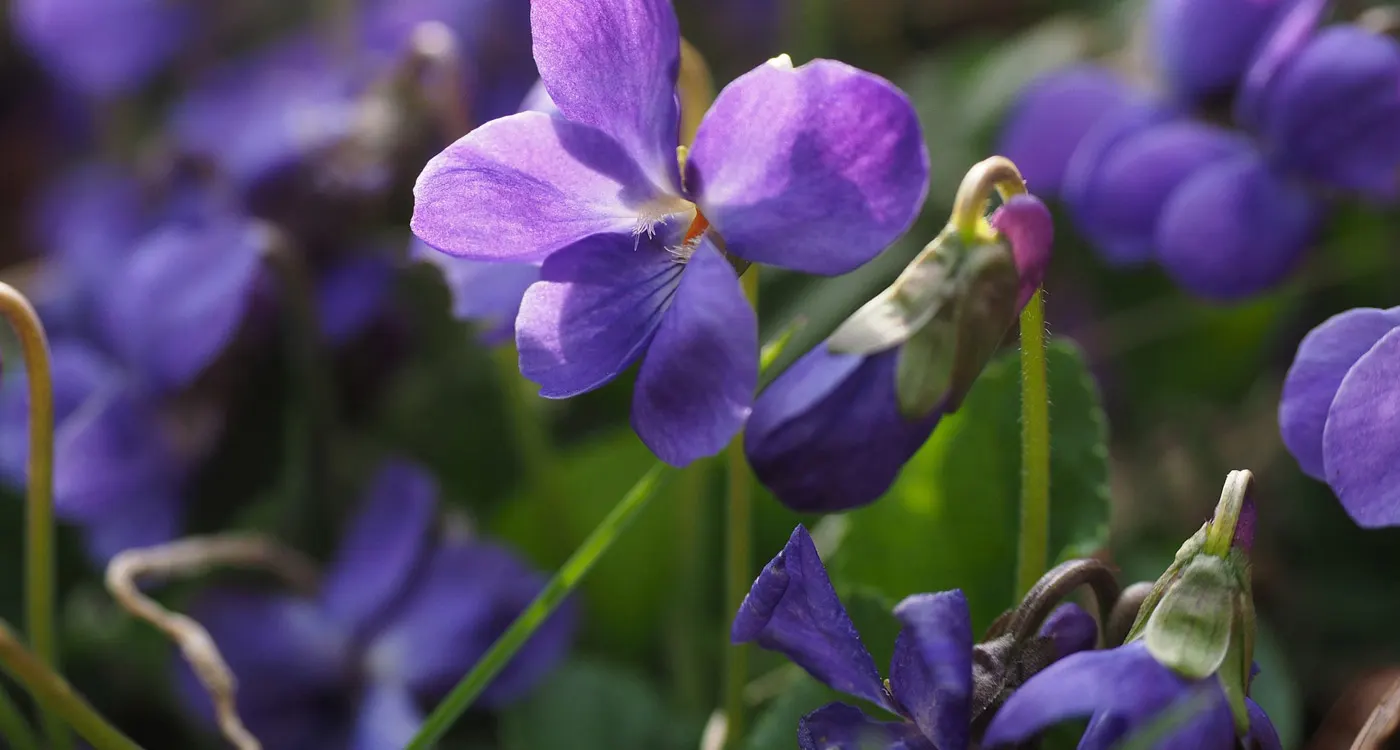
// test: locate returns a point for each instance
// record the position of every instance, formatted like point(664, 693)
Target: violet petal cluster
point(794, 610)
point(102, 49)
point(401, 614)
point(1340, 411)
point(1227, 213)
point(815, 169)
point(828, 434)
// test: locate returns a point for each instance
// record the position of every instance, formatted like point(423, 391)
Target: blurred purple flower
point(400, 616)
point(1204, 47)
point(771, 178)
point(793, 610)
point(828, 433)
point(1122, 690)
point(1340, 411)
point(351, 294)
point(102, 49)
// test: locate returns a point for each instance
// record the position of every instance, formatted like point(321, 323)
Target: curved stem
point(55, 694)
point(1052, 588)
point(39, 523)
point(14, 728)
point(738, 562)
point(554, 593)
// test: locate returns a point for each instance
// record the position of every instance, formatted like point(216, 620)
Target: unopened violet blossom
point(400, 615)
point(829, 433)
point(793, 610)
point(1340, 411)
point(815, 168)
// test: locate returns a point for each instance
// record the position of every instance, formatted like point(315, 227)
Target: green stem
point(1034, 540)
point(39, 531)
point(739, 562)
point(57, 696)
point(554, 593)
point(14, 728)
point(687, 649)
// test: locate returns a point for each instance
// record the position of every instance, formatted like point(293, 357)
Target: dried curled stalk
point(1383, 723)
point(190, 557)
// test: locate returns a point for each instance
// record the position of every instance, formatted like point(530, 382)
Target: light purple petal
point(613, 66)
point(837, 726)
point(793, 609)
point(106, 48)
point(350, 296)
point(1361, 442)
point(182, 295)
point(77, 371)
point(814, 169)
point(387, 543)
point(1235, 229)
point(89, 219)
point(1262, 735)
point(1119, 205)
point(1204, 46)
point(1071, 628)
point(1324, 357)
point(1290, 33)
point(485, 292)
point(1027, 225)
point(594, 310)
point(386, 719)
point(110, 452)
point(1334, 112)
point(1052, 117)
point(931, 673)
point(524, 186)
point(466, 596)
point(697, 381)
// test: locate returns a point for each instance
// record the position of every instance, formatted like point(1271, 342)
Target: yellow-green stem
point(739, 562)
point(687, 611)
point(14, 728)
point(56, 696)
point(39, 531)
point(1034, 539)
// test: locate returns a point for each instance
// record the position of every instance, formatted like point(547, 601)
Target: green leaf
point(1190, 631)
point(592, 706)
point(950, 521)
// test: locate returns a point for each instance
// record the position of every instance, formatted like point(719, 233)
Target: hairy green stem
point(1034, 540)
point(564, 582)
point(56, 696)
point(14, 728)
point(39, 523)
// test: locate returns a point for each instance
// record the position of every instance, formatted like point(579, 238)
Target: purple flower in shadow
point(102, 49)
point(815, 169)
point(828, 433)
point(1122, 690)
point(792, 609)
point(1204, 47)
point(399, 617)
point(1340, 411)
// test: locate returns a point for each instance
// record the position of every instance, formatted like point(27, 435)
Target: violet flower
point(1204, 47)
point(399, 617)
point(102, 49)
point(815, 169)
point(1340, 411)
point(1124, 689)
point(828, 433)
point(793, 609)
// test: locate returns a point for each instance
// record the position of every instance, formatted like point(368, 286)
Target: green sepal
point(1187, 552)
point(923, 290)
point(1234, 671)
point(1190, 630)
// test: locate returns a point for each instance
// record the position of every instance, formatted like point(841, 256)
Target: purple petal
point(1324, 357)
point(466, 597)
point(1334, 111)
point(102, 49)
point(1235, 229)
point(109, 453)
point(1292, 30)
point(154, 516)
point(1053, 116)
point(1071, 628)
point(1119, 205)
point(793, 609)
point(931, 673)
point(387, 718)
point(386, 544)
point(838, 726)
point(350, 295)
point(489, 293)
point(182, 296)
point(1359, 444)
point(827, 434)
point(612, 66)
point(89, 219)
point(524, 186)
point(1262, 735)
point(1026, 223)
point(77, 372)
point(815, 169)
point(594, 310)
point(1205, 46)
point(696, 384)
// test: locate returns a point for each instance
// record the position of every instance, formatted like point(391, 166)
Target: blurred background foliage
point(1182, 392)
